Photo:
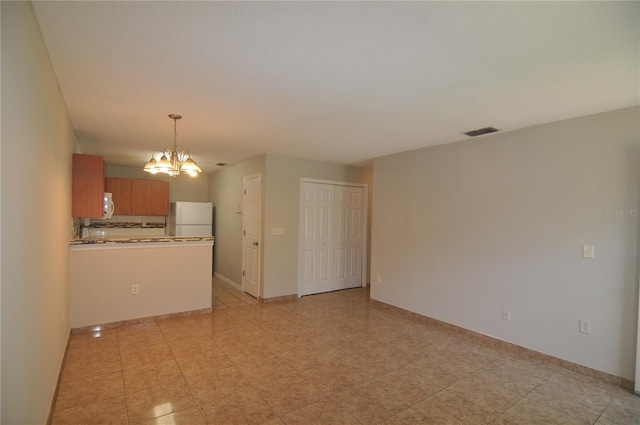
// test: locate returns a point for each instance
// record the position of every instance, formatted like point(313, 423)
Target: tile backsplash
point(123, 226)
point(119, 232)
point(130, 221)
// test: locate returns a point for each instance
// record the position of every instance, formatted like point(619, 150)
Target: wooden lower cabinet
point(121, 193)
point(149, 197)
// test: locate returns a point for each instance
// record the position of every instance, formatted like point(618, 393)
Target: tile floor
point(325, 359)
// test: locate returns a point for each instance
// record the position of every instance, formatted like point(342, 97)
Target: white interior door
point(332, 241)
point(252, 201)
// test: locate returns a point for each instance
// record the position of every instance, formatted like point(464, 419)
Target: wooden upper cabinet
point(138, 197)
point(149, 197)
point(121, 193)
point(87, 186)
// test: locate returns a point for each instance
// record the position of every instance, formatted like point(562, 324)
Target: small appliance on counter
point(84, 228)
point(191, 219)
point(107, 206)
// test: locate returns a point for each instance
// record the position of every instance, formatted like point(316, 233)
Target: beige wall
point(282, 209)
point(37, 143)
point(225, 192)
point(181, 188)
point(465, 230)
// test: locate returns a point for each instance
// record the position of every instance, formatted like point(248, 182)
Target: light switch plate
point(585, 327)
point(587, 251)
point(506, 315)
point(277, 231)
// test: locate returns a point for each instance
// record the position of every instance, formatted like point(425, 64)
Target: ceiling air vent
point(481, 131)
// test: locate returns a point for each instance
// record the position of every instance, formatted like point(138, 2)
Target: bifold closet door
point(317, 238)
point(331, 240)
point(348, 236)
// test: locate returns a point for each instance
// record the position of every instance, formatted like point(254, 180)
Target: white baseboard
point(227, 280)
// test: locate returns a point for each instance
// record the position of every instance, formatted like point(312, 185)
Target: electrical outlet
point(587, 251)
point(585, 326)
point(506, 315)
point(379, 277)
point(135, 289)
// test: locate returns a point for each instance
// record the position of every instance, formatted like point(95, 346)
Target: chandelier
point(171, 161)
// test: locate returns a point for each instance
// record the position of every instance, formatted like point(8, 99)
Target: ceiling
point(341, 82)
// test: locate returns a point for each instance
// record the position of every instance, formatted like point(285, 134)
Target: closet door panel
point(349, 210)
point(331, 237)
point(317, 239)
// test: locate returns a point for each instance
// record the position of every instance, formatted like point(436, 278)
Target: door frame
point(365, 224)
point(636, 389)
point(244, 209)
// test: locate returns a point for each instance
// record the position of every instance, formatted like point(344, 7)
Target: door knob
point(256, 243)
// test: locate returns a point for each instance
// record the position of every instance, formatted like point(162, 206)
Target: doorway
point(251, 208)
point(332, 236)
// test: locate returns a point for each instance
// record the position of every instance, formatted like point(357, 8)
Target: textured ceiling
point(342, 82)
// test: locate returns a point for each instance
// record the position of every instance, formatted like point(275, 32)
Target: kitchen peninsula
point(124, 279)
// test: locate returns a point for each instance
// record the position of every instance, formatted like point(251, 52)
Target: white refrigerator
point(190, 219)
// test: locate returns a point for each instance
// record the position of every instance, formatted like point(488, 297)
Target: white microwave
point(107, 206)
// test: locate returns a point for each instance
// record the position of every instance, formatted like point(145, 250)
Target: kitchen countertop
point(145, 241)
